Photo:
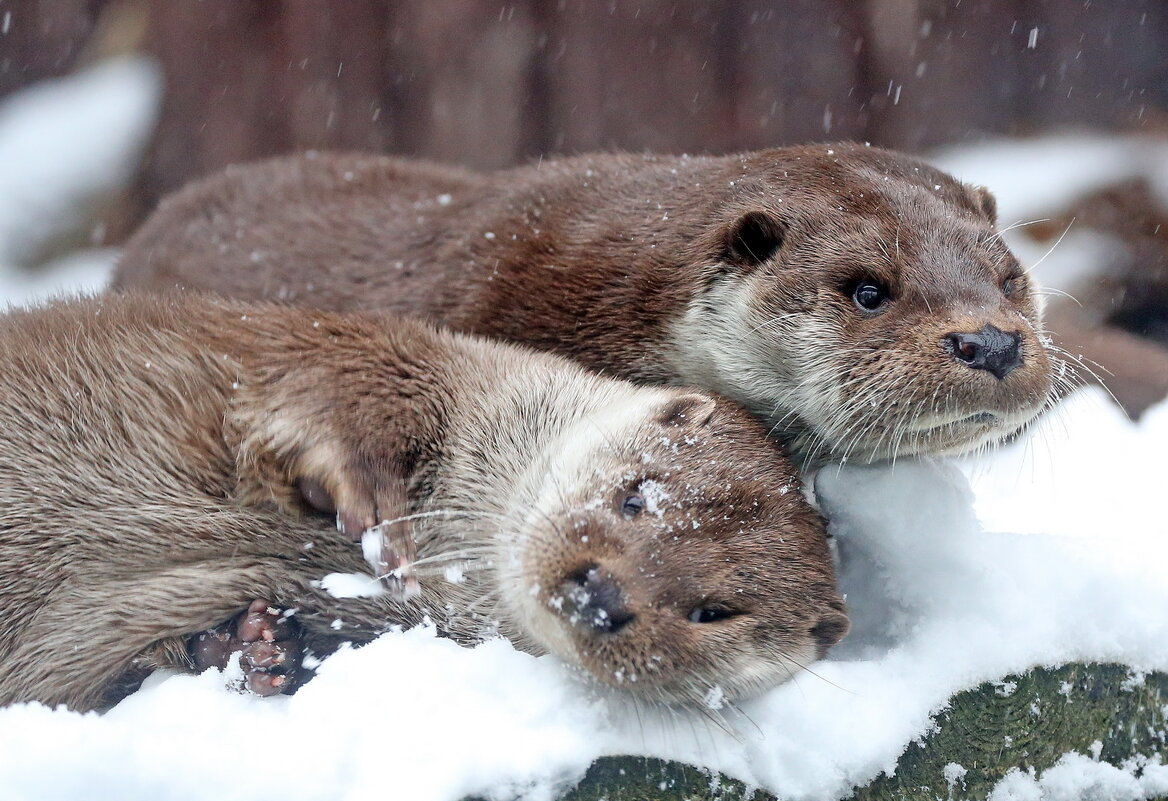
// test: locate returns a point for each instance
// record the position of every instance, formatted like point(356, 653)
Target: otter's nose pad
point(989, 349)
point(593, 600)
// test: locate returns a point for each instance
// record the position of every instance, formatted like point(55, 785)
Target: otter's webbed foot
point(268, 644)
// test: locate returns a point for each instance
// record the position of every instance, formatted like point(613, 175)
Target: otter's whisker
point(769, 322)
point(466, 554)
point(1012, 227)
point(805, 669)
point(697, 699)
point(742, 713)
point(1049, 290)
point(1052, 247)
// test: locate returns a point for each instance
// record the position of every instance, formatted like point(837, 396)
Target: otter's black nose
point(593, 600)
point(988, 349)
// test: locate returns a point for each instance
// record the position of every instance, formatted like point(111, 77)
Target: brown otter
point(153, 446)
point(857, 300)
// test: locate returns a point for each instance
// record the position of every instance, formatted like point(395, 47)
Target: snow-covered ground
point(1052, 549)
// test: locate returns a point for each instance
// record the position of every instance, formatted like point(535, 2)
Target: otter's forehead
point(910, 235)
point(623, 428)
point(721, 465)
point(927, 198)
point(865, 181)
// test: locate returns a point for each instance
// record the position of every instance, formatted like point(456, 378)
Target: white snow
point(1052, 549)
point(655, 497)
point(351, 585)
point(65, 144)
point(954, 775)
point(1076, 777)
point(372, 546)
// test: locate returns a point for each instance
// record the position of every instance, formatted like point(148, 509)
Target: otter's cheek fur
point(832, 389)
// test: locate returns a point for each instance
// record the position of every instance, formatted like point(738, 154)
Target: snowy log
point(1024, 723)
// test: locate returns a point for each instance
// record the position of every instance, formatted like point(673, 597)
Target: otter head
point(864, 304)
point(668, 551)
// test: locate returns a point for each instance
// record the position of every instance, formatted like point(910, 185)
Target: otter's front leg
point(305, 461)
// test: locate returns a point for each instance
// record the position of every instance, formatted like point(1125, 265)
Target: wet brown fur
point(151, 448)
point(646, 267)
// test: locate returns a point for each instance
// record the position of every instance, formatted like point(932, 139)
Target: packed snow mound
point(1077, 777)
point(942, 599)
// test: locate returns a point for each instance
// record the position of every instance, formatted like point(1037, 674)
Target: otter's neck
point(514, 421)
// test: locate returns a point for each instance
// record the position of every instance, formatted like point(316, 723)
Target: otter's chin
point(748, 677)
point(932, 437)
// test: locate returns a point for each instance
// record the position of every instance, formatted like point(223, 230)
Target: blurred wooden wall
point(489, 83)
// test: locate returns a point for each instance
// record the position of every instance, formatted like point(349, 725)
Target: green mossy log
point(1025, 721)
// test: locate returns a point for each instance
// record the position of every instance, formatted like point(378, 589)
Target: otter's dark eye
point(870, 295)
point(1010, 285)
point(633, 505)
point(711, 614)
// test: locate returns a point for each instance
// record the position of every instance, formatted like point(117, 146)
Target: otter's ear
point(753, 238)
point(829, 629)
point(987, 203)
point(693, 408)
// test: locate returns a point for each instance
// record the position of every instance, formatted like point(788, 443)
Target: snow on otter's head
point(667, 550)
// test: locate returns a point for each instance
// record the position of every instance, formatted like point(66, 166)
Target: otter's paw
point(268, 644)
point(375, 514)
point(291, 456)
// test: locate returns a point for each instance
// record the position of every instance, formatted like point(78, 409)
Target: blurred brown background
point(488, 83)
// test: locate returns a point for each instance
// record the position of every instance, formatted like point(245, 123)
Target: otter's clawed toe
point(263, 655)
point(392, 558)
point(213, 648)
point(259, 622)
point(371, 509)
point(266, 684)
point(272, 667)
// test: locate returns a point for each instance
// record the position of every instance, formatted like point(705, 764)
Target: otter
point(165, 459)
point(857, 300)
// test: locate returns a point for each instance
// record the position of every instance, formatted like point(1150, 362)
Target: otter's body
point(741, 274)
point(148, 491)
